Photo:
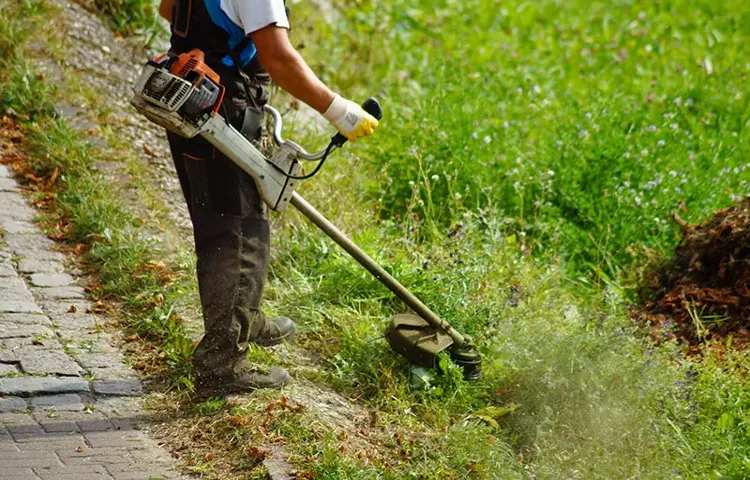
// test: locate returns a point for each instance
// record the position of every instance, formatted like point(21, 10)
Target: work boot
point(255, 379)
point(277, 330)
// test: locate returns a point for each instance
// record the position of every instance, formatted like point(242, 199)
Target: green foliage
point(22, 92)
point(582, 125)
point(130, 16)
point(568, 131)
point(17, 24)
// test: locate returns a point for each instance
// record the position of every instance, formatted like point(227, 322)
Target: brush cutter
point(182, 94)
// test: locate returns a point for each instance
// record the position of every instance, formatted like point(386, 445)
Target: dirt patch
point(703, 293)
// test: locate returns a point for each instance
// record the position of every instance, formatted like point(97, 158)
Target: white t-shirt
point(252, 15)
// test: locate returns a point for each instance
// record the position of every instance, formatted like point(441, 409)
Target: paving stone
point(17, 473)
point(58, 307)
point(101, 460)
point(5, 171)
point(24, 430)
point(8, 369)
point(20, 244)
point(24, 319)
point(100, 360)
point(150, 474)
point(69, 292)
point(16, 227)
point(8, 356)
point(31, 265)
point(9, 330)
point(12, 404)
point(13, 419)
point(9, 185)
point(53, 425)
point(72, 472)
point(30, 459)
point(16, 207)
point(120, 388)
point(277, 468)
point(51, 279)
point(76, 321)
point(7, 270)
point(95, 425)
point(80, 342)
point(19, 306)
point(64, 402)
point(12, 284)
point(49, 362)
point(84, 416)
point(116, 438)
point(120, 407)
point(142, 465)
point(24, 346)
point(44, 441)
point(26, 386)
point(14, 288)
point(120, 373)
point(93, 453)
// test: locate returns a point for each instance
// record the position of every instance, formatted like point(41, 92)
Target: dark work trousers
point(232, 237)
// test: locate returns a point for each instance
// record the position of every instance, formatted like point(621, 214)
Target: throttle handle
point(370, 106)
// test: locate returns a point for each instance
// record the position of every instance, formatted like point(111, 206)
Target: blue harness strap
point(237, 38)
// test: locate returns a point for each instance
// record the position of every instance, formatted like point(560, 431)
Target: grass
point(129, 17)
point(582, 126)
point(464, 210)
point(526, 169)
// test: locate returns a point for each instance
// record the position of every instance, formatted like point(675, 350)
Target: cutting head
point(420, 343)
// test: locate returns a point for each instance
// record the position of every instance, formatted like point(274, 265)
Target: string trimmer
point(182, 94)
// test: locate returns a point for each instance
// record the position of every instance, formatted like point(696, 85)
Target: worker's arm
point(165, 9)
point(290, 71)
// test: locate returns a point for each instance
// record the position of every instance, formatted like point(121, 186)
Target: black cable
point(314, 172)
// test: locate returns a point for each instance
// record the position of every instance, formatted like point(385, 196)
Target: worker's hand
point(349, 119)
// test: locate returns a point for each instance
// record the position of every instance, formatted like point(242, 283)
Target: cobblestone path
point(69, 405)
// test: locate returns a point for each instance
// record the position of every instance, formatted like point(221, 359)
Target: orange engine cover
point(191, 67)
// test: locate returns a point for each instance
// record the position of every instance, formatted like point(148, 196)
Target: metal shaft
point(378, 272)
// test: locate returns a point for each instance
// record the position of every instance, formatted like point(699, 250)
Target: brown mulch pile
point(703, 293)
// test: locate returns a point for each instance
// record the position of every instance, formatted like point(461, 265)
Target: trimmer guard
point(417, 340)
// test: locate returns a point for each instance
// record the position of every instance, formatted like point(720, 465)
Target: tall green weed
point(582, 126)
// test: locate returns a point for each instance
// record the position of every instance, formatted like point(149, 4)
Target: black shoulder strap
point(181, 11)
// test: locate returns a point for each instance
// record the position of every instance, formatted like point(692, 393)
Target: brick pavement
point(69, 405)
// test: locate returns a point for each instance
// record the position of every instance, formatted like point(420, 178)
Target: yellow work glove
point(349, 119)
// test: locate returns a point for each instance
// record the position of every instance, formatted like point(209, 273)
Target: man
point(243, 41)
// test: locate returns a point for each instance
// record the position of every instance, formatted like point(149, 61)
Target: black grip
point(370, 106)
